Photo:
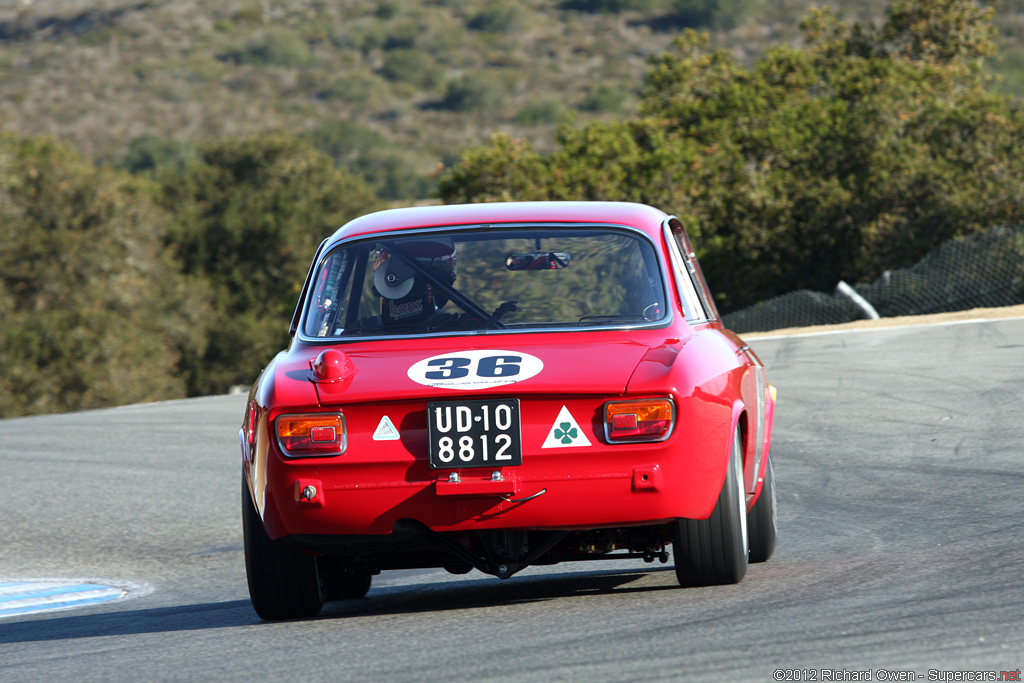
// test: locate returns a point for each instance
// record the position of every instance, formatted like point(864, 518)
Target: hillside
point(168, 167)
point(389, 89)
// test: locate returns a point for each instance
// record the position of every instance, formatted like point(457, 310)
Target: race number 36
point(479, 369)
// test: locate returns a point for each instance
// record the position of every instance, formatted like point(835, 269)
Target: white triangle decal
point(566, 432)
point(386, 430)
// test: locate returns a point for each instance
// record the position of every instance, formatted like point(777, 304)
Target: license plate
point(474, 434)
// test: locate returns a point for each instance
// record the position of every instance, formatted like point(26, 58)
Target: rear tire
point(762, 521)
point(713, 551)
point(284, 582)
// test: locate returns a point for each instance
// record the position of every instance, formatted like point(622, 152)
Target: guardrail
point(984, 270)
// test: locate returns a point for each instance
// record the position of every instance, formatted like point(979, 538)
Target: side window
point(694, 293)
point(327, 305)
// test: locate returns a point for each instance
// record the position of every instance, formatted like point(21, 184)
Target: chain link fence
point(985, 270)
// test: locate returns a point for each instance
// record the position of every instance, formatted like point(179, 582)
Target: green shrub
point(147, 153)
point(547, 110)
point(499, 18)
point(275, 46)
point(604, 97)
point(714, 14)
point(474, 92)
point(395, 175)
point(402, 36)
point(614, 6)
point(356, 87)
point(249, 15)
point(415, 67)
point(345, 141)
point(386, 10)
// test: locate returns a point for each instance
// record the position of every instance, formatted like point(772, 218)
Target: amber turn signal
point(648, 419)
point(311, 435)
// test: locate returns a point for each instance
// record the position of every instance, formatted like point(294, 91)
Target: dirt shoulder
point(901, 321)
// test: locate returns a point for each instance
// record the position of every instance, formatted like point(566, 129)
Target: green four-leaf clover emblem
point(566, 432)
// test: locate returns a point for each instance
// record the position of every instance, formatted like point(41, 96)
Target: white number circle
point(480, 369)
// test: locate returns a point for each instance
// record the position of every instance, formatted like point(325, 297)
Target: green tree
point(94, 311)
point(147, 153)
point(859, 153)
point(249, 215)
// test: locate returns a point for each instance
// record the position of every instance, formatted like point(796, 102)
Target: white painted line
point(26, 598)
point(39, 588)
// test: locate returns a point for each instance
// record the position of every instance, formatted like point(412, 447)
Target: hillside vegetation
point(388, 88)
point(167, 168)
point(856, 154)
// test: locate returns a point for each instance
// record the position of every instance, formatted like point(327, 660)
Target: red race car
point(494, 386)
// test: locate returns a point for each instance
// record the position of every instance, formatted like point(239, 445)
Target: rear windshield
point(494, 279)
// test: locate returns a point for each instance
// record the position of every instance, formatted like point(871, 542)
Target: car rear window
point(467, 280)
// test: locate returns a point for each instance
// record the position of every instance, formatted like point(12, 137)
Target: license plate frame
point(474, 434)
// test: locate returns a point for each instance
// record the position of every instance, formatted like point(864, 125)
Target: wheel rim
point(741, 496)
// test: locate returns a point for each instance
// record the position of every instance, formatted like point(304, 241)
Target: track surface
point(898, 457)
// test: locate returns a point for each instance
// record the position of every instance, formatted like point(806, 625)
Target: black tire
point(284, 582)
point(762, 524)
point(713, 551)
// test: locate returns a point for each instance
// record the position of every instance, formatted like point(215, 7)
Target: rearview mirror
point(543, 260)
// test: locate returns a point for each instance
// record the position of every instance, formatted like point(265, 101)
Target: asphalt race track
point(898, 454)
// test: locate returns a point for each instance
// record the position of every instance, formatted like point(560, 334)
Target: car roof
point(640, 216)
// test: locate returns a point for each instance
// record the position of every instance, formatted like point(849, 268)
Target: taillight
point(647, 419)
point(311, 435)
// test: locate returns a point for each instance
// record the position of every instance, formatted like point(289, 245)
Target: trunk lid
point(509, 367)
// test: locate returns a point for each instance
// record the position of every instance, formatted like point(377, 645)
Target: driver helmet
point(407, 297)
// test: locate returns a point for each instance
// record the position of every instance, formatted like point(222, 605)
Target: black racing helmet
point(408, 297)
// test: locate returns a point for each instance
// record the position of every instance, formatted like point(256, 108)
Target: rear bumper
point(635, 485)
